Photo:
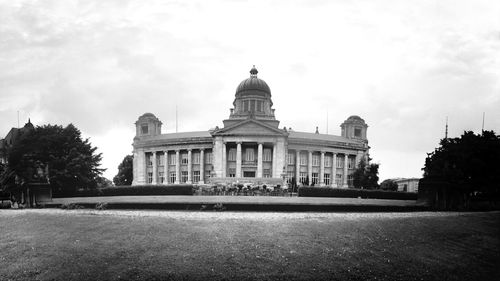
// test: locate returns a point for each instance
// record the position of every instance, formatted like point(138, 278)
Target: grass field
point(153, 245)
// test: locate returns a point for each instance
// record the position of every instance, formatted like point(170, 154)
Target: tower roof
point(253, 86)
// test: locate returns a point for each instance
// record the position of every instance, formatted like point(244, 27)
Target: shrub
point(354, 193)
point(71, 206)
point(101, 206)
point(137, 190)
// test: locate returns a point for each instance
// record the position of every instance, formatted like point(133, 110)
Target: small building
point(407, 184)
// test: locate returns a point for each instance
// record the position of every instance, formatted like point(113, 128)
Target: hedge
point(355, 193)
point(138, 190)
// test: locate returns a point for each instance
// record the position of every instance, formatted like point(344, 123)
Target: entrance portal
point(247, 174)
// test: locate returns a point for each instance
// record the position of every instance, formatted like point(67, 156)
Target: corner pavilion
point(249, 148)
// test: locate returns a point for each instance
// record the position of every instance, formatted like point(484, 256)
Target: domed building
point(250, 148)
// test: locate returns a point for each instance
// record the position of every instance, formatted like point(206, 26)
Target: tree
point(73, 162)
point(125, 171)
point(366, 176)
point(468, 164)
point(389, 185)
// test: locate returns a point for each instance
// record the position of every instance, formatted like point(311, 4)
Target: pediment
point(250, 127)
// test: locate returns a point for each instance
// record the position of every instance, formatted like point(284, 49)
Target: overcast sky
point(403, 66)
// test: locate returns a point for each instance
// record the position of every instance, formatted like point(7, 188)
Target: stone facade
point(250, 148)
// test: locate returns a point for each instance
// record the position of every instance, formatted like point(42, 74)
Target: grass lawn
point(153, 245)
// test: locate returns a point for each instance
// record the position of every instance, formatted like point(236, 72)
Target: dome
point(253, 85)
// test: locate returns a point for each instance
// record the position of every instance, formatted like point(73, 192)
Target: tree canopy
point(469, 163)
point(73, 162)
point(125, 171)
point(366, 176)
point(389, 185)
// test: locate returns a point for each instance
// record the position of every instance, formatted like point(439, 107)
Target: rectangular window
point(249, 154)
point(303, 178)
point(149, 160)
point(290, 158)
point(150, 177)
point(144, 129)
point(173, 159)
point(340, 162)
point(208, 157)
point(338, 180)
point(161, 160)
point(196, 158)
point(252, 105)
point(315, 160)
point(326, 179)
point(350, 180)
point(267, 173)
point(196, 176)
point(357, 132)
point(328, 161)
point(232, 155)
point(232, 172)
point(314, 178)
point(303, 159)
point(352, 162)
point(267, 155)
point(161, 176)
point(172, 177)
point(184, 158)
point(184, 176)
point(245, 106)
point(289, 176)
point(259, 106)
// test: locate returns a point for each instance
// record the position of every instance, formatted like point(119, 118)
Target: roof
point(321, 137)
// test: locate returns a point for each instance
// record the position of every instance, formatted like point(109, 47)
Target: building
point(11, 138)
point(249, 148)
point(407, 184)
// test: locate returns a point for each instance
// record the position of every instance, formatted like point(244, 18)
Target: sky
point(403, 66)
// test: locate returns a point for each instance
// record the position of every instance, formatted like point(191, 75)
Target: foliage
point(354, 193)
point(389, 185)
point(468, 163)
point(73, 162)
point(185, 189)
point(125, 171)
point(103, 182)
point(366, 176)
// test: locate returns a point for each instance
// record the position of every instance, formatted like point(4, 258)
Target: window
point(184, 158)
point(196, 158)
point(290, 158)
point(161, 160)
point(267, 173)
point(252, 105)
point(245, 106)
point(352, 162)
point(172, 177)
point(303, 159)
point(328, 161)
point(161, 175)
point(196, 176)
point(150, 177)
point(314, 178)
point(315, 160)
point(232, 155)
point(340, 162)
point(267, 155)
point(208, 157)
point(350, 180)
point(289, 176)
point(144, 129)
point(357, 132)
point(232, 172)
point(338, 180)
point(249, 154)
point(303, 178)
point(172, 159)
point(184, 176)
point(149, 160)
point(326, 179)
point(259, 106)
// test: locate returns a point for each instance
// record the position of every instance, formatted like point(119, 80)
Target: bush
point(71, 206)
point(137, 190)
point(101, 206)
point(354, 193)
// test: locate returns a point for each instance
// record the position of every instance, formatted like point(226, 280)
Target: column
point(177, 167)
point(190, 167)
point(202, 166)
point(165, 167)
point(155, 168)
point(346, 158)
point(334, 170)
point(275, 171)
point(238, 159)
point(297, 166)
point(310, 167)
point(322, 169)
point(224, 162)
point(259, 161)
